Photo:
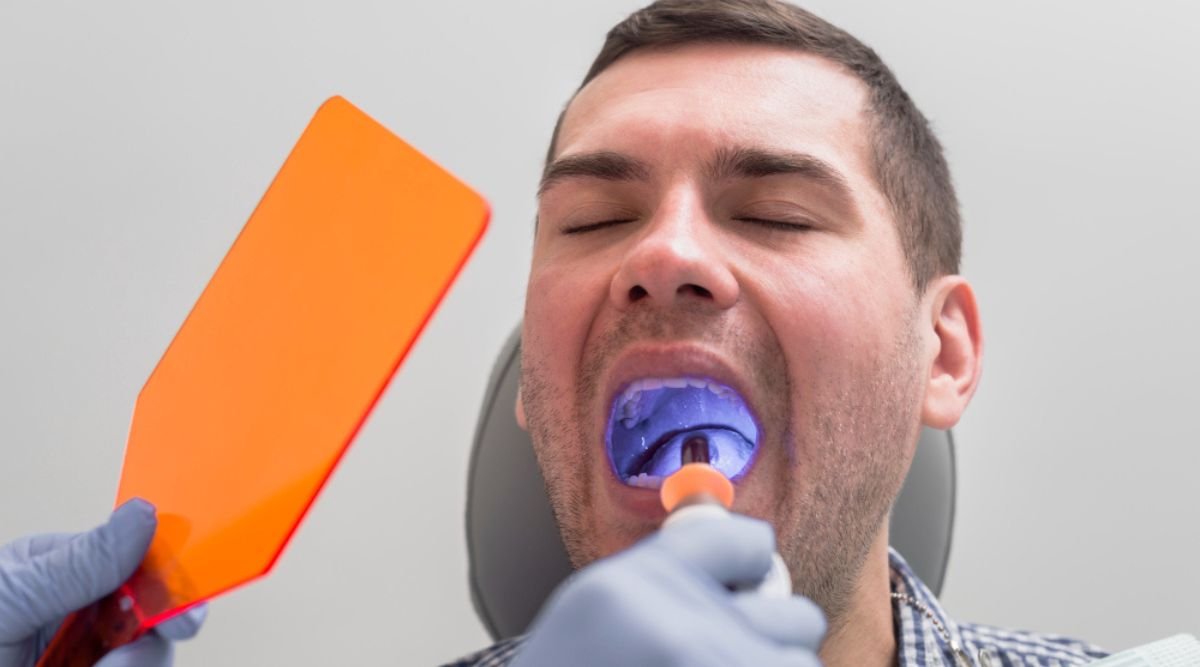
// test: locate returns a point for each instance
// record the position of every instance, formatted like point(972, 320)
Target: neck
point(864, 636)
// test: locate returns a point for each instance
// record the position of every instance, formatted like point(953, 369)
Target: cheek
point(825, 314)
point(836, 321)
point(560, 303)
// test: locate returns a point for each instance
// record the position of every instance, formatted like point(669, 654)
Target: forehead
point(671, 105)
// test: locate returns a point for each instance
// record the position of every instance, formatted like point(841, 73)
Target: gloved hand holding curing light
point(45, 577)
point(673, 599)
point(698, 490)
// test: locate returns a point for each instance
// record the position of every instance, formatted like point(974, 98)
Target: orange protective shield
point(286, 351)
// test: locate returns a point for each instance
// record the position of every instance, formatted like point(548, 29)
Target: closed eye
point(593, 226)
point(776, 224)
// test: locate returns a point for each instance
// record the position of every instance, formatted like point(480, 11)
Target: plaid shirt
point(920, 641)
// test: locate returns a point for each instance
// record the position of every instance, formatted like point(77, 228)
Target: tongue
point(728, 452)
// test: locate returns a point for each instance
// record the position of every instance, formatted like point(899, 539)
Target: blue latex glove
point(45, 577)
point(665, 601)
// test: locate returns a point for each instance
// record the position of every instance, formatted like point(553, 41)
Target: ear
point(520, 410)
point(955, 340)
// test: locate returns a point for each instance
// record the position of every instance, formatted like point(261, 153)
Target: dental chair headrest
point(516, 554)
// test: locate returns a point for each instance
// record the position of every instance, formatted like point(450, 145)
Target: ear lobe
point(957, 346)
point(520, 412)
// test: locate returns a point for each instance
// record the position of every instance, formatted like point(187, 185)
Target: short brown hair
point(906, 156)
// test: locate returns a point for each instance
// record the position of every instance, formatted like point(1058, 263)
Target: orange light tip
point(695, 479)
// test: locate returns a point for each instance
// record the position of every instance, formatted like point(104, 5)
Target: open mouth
point(652, 418)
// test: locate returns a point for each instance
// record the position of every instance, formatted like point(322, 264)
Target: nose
point(678, 256)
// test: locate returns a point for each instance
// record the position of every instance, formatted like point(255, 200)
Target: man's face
point(713, 215)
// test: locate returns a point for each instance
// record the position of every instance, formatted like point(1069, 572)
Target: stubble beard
point(862, 440)
point(562, 455)
point(857, 442)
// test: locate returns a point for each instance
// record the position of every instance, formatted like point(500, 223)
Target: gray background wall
point(135, 139)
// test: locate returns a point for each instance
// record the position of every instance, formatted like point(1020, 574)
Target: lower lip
point(635, 500)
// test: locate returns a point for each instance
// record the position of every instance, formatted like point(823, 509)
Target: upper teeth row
point(627, 408)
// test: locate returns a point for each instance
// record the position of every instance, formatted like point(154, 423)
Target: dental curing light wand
point(698, 490)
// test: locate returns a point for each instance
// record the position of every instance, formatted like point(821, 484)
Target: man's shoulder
point(496, 655)
point(1022, 647)
point(926, 636)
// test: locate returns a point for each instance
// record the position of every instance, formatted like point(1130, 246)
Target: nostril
point(637, 293)
point(695, 289)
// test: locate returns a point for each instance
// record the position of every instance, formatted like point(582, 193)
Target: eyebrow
point(728, 163)
point(758, 163)
point(605, 165)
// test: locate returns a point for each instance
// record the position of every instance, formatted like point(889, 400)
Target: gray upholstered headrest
point(517, 557)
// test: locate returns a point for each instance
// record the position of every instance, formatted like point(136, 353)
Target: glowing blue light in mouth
point(651, 419)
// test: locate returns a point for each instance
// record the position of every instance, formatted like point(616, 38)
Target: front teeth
point(645, 481)
point(630, 402)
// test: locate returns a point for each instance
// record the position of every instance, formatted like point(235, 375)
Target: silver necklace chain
point(961, 658)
